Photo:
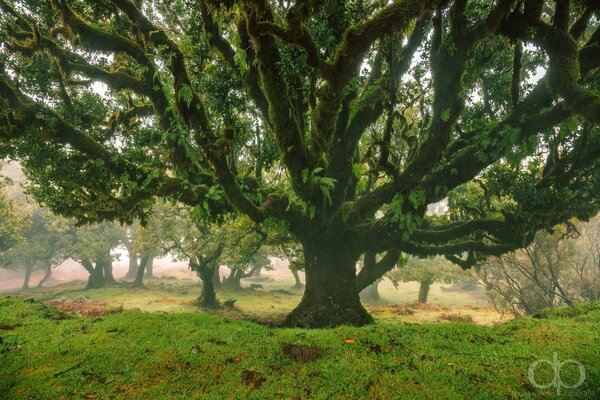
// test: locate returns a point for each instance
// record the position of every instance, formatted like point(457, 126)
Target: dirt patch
point(456, 318)
point(9, 327)
point(79, 306)
point(301, 353)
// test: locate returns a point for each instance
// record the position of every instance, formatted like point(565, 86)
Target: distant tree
point(92, 246)
point(426, 272)
point(13, 222)
point(342, 119)
point(45, 245)
point(150, 241)
point(129, 239)
point(555, 270)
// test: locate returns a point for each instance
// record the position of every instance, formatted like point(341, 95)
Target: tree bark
point(105, 261)
point(28, 271)
point(298, 284)
point(150, 269)
point(330, 297)
point(96, 279)
point(139, 278)
point(208, 297)
point(47, 273)
point(424, 290)
point(233, 280)
point(133, 264)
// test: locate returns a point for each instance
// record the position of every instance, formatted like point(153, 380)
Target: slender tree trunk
point(28, 272)
point(216, 277)
point(208, 297)
point(298, 283)
point(330, 297)
point(47, 273)
point(133, 264)
point(139, 278)
point(257, 272)
point(150, 269)
point(96, 279)
point(424, 290)
point(371, 292)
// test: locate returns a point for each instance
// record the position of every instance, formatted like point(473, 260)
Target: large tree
point(344, 119)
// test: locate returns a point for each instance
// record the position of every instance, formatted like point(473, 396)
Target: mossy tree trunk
point(104, 260)
point(28, 271)
point(298, 284)
point(133, 264)
point(331, 296)
point(234, 279)
point(206, 273)
point(139, 278)
point(424, 289)
point(150, 269)
point(96, 279)
point(47, 274)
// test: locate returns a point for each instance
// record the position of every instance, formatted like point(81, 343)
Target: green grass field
point(177, 291)
point(47, 354)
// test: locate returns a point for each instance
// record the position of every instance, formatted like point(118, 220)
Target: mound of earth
point(79, 306)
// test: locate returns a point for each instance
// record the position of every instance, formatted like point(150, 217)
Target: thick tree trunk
point(27, 278)
point(233, 280)
point(96, 279)
point(133, 264)
point(298, 284)
point(424, 290)
point(47, 273)
point(216, 277)
point(150, 269)
point(139, 278)
point(331, 297)
point(256, 273)
point(208, 297)
point(105, 262)
point(371, 292)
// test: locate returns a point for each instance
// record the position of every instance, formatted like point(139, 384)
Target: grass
point(176, 293)
point(47, 354)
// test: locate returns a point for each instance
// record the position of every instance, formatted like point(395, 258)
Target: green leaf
point(416, 198)
point(186, 94)
point(445, 115)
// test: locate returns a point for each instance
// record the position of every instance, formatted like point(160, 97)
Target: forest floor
point(176, 291)
point(46, 353)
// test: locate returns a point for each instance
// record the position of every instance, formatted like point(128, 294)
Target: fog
point(72, 271)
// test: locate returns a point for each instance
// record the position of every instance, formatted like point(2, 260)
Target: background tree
point(13, 222)
point(344, 120)
point(426, 272)
point(45, 245)
point(129, 240)
point(205, 246)
point(91, 246)
point(554, 270)
point(148, 242)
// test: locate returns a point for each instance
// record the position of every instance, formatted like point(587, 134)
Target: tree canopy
point(343, 119)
